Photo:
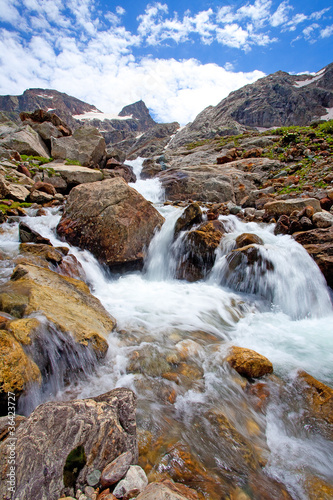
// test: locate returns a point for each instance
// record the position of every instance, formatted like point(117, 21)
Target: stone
point(93, 477)
point(286, 207)
point(13, 191)
point(46, 252)
point(124, 171)
point(45, 187)
point(103, 427)
point(86, 145)
point(28, 235)
point(25, 141)
point(112, 220)
point(319, 244)
point(18, 372)
point(323, 219)
point(192, 215)
point(319, 403)
point(326, 203)
point(40, 197)
point(134, 482)
point(74, 175)
point(167, 490)
point(198, 250)
point(249, 363)
point(116, 470)
point(73, 309)
point(248, 239)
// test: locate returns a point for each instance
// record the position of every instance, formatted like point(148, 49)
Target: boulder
point(167, 490)
point(74, 175)
point(248, 239)
point(18, 372)
point(28, 235)
point(191, 215)
point(319, 244)
point(112, 220)
point(249, 363)
point(73, 309)
point(12, 191)
point(40, 116)
point(25, 141)
point(93, 431)
point(319, 403)
point(86, 145)
point(323, 219)
point(198, 250)
point(40, 197)
point(286, 207)
point(124, 171)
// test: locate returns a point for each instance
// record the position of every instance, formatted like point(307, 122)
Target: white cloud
point(8, 11)
point(326, 32)
point(280, 16)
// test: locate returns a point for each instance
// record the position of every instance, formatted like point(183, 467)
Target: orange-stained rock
point(248, 239)
point(318, 489)
point(249, 363)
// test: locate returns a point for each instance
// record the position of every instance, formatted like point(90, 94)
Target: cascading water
point(171, 344)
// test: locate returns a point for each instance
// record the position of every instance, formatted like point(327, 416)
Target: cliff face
point(277, 100)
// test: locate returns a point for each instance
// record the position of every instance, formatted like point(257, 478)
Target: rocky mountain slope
point(277, 100)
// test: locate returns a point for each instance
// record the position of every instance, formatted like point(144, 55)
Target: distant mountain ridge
point(279, 99)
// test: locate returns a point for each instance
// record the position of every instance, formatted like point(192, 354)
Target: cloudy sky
point(178, 56)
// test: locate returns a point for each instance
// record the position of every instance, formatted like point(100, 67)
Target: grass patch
point(72, 162)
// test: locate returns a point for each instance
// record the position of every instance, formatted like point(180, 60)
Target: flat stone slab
point(75, 174)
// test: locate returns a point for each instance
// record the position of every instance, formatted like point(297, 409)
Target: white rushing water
point(282, 311)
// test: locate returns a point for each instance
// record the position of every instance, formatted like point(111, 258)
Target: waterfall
point(282, 311)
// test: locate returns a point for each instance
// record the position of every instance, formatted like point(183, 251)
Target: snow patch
point(45, 96)
point(303, 83)
point(97, 115)
point(329, 115)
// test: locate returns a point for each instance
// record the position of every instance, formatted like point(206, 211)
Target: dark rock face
point(112, 220)
point(274, 101)
point(139, 111)
point(103, 426)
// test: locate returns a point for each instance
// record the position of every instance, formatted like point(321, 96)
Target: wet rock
point(317, 488)
point(326, 203)
point(191, 215)
point(116, 470)
point(28, 235)
point(17, 370)
point(286, 207)
point(150, 169)
point(248, 239)
point(73, 309)
point(282, 225)
point(46, 252)
point(112, 220)
point(249, 363)
point(103, 426)
point(319, 403)
point(167, 490)
point(133, 483)
point(323, 219)
point(198, 251)
point(319, 244)
point(86, 145)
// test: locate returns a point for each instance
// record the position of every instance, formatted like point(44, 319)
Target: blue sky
point(178, 56)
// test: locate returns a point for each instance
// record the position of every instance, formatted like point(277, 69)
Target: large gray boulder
point(26, 141)
point(12, 191)
point(101, 428)
point(74, 174)
point(111, 220)
point(86, 145)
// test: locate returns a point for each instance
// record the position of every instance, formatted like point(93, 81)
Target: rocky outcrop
point(249, 363)
point(286, 207)
point(86, 146)
point(274, 101)
point(152, 142)
point(12, 191)
point(111, 220)
point(68, 441)
point(25, 140)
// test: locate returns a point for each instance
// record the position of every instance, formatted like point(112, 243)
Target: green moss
point(41, 159)
point(4, 208)
point(72, 162)
point(75, 461)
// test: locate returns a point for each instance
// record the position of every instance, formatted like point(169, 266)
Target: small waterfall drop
point(151, 189)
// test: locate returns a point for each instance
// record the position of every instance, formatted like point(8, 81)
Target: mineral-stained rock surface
point(103, 426)
point(112, 220)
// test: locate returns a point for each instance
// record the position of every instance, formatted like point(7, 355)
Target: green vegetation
point(75, 461)
point(72, 162)
point(16, 204)
point(41, 160)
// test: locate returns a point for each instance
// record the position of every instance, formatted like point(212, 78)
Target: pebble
point(93, 477)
